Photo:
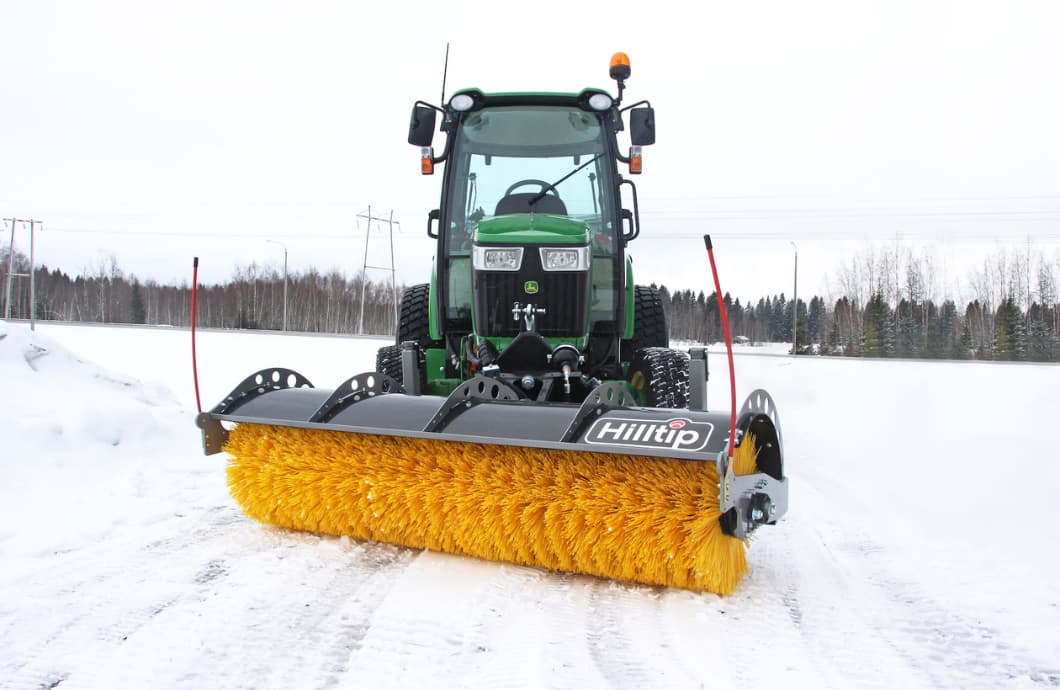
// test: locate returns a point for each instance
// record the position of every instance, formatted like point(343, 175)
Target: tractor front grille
point(564, 295)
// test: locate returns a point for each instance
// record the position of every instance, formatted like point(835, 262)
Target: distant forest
point(886, 307)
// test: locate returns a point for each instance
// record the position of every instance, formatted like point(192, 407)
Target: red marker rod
point(728, 343)
point(194, 364)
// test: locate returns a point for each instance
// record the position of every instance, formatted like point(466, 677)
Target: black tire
point(662, 374)
point(414, 320)
point(388, 361)
point(414, 323)
point(649, 319)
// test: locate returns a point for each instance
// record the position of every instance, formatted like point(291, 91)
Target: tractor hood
point(531, 229)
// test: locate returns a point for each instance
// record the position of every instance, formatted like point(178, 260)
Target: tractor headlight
point(498, 258)
point(576, 259)
point(600, 101)
point(461, 102)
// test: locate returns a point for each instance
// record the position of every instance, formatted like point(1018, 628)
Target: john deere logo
point(530, 287)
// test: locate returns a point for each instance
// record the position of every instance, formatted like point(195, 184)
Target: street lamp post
point(795, 306)
point(284, 281)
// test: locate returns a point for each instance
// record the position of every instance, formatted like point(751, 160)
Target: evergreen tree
point(1042, 344)
point(764, 317)
point(975, 317)
point(833, 344)
point(780, 321)
point(1010, 334)
point(803, 339)
point(136, 304)
point(947, 339)
point(814, 319)
point(712, 313)
point(964, 348)
point(908, 333)
point(878, 338)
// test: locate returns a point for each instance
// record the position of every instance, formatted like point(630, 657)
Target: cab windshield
point(504, 158)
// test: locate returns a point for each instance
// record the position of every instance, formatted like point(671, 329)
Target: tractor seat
point(520, 203)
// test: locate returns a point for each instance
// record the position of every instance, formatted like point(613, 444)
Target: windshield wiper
point(541, 195)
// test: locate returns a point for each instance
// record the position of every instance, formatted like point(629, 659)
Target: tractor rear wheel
point(662, 375)
point(414, 323)
point(649, 319)
point(414, 320)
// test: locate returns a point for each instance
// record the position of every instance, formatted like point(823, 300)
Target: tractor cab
point(531, 279)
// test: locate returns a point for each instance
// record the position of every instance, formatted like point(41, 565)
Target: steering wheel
point(540, 183)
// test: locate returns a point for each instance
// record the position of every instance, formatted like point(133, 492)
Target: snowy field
point(920, 550)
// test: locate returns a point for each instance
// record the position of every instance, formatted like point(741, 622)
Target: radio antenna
point(445, 70)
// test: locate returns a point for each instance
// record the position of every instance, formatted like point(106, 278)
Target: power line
point(167, 233)
point(658, 234)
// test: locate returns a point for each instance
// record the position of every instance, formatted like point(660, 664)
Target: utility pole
point(393, 272)
point(364, 271)
point(795, 306)
point(284, 281)
point(11, 266)
point(33, 278)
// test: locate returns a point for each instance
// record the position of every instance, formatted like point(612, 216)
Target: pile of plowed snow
point(85, 449)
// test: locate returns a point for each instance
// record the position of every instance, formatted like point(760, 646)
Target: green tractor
point(532, 284)
point(531, 410)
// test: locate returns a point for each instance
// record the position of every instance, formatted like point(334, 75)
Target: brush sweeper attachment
point(604, 488)
point(530, 409)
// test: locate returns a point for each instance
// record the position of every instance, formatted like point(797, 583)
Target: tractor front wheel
point(661, 375)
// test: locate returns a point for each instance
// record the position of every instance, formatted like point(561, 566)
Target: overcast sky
point(157, 132)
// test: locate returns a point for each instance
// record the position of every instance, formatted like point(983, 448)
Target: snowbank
point(83, 447)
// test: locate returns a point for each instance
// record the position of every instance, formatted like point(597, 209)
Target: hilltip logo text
point(673, 434)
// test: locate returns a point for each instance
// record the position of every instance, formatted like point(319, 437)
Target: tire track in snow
point(950, 645)
point(460, 622)
point(566, 658)
point(617, 613)
point(97, 597)
point(800, 598)
point(353, 617)
point(107, 609)
point(450, 622)
point(873, 631)
point(285, 615)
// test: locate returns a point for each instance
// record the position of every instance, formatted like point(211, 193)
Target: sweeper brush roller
point(605, 488)
point(649, 520)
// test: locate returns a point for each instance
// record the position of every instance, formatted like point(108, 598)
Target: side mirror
point(421, 126)
point(642, 126)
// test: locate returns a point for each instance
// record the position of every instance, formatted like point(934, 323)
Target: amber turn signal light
point(635, 161)
point(620, 66)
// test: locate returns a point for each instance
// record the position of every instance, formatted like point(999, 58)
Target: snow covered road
point(919, 552)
